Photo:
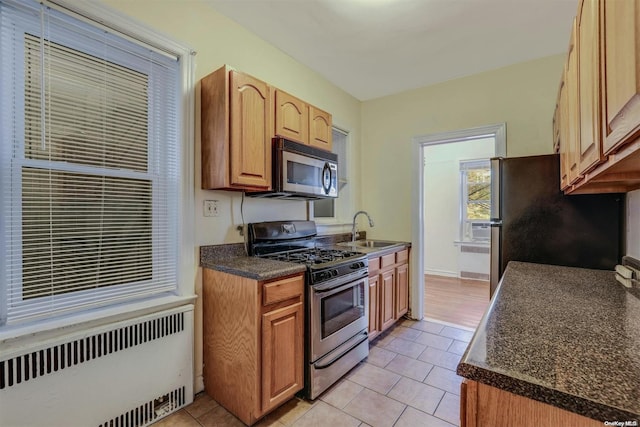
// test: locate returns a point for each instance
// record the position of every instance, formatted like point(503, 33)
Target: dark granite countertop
point(232, 258)
point(569, 337)
point(375, 251)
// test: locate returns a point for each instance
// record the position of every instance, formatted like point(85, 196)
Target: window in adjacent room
point(90, 165)
point(475, 203)
point(336, 210)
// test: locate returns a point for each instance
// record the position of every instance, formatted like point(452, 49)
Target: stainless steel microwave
point(301, 172)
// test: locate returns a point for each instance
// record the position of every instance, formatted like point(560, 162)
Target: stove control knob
point(334, 273)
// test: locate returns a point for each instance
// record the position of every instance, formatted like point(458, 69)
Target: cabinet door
point(556, 126)
point(574, 109)
point(563, 115)
point(374, 306)
point(282, 354)
point(320, 129)
point(292, 117)
point(387, 279)
point(251, 131)
point(622, 73)
point(589, 85)
point(401, 291)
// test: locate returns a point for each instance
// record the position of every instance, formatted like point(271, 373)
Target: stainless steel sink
point(368, 243)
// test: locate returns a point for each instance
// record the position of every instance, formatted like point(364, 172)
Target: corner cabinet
point(598, 125)
point(253, 342)
point(236, 131)
point(485, 406)
point(388, 290)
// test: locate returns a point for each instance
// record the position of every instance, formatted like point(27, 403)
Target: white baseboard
point(441, 272)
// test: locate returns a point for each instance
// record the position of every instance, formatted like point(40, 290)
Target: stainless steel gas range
point(336, 298)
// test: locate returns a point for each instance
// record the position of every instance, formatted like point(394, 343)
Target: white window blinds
point(90, 165)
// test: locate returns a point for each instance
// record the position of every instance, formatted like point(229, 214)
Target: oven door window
point(341, 309)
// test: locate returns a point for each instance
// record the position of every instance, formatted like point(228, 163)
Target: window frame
point(102, 17)
point(465, 221)
point(341, 206)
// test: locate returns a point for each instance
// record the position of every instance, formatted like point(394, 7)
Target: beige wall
point(522, 95)
point(217, 41)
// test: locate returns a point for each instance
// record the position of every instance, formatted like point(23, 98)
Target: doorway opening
point(451, 224)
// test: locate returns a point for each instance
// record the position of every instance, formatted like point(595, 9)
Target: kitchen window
point(327, 211)
point(90, 178)
point(475, 203)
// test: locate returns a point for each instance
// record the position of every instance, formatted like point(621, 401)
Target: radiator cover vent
point(29, 366)
point(150, 411)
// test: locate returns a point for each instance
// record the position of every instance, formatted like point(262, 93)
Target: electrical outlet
point(211, 208)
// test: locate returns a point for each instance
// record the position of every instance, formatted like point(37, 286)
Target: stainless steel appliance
point(301, 172)
point(336, 315)
point(533, 221)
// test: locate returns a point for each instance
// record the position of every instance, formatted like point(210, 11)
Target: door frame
point(499, 133)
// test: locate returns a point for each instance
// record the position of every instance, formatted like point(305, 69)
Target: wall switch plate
point(211, 208)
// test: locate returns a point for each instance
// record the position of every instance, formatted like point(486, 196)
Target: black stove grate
point(313, 255)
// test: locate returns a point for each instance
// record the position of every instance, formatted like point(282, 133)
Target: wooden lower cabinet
point(387, 285)
point(486, 406)
point(388, 290)
point(374, 306)
point(401, 291)
point(253, 342)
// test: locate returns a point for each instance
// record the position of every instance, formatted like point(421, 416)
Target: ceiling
point(374, 48)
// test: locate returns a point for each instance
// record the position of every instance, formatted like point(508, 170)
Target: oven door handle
point(321, 293)
point(339, 282)
point(334, 359)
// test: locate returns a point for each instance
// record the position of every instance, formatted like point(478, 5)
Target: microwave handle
point(327, 178)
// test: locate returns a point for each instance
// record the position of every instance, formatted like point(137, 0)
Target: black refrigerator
point(533, 221)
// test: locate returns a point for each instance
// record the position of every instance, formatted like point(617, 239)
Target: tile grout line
point(401, 376)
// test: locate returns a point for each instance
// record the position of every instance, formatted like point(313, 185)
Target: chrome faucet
point(353, 230)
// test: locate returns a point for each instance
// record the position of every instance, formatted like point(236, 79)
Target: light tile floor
point(408, 379)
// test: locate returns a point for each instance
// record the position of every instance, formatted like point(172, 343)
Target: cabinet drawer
point(388, 260)
point(402, 256)
point(374, 264)
point(282, 290)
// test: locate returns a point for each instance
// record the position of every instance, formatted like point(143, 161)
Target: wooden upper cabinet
point(563, 130)
point(588, 28)
point(320, 127)
point(573, 103)
point(292, 117)
point(599, 103)
point(556, 126)
point(236, 127)
point(251, 131)
point(621, 94)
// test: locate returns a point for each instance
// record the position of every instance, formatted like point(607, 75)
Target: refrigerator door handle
point(495, 188)
point(494, 271)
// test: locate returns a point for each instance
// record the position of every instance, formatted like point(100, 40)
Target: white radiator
point(124, 374)
point(474, 261)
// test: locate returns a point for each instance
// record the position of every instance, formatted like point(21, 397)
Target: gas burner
point(313, 256)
